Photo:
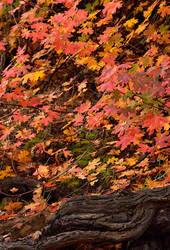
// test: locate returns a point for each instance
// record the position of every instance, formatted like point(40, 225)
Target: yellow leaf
point(131, 161)
point(167, 125)
point(140, 7)
point(70, 132)
point(50, 152)
point(129, 37)
point(148, 12)
point(7, 172)
point(65, 126)
point(66, 84)
point(47, 143)
point(38, 74)
point(71, 99)
point(92, 165)
point(92, 178)
point(23, 156)
point(32, 78)
point(83, 60)
point(141, 28)
point(101, 168)
point(130, 23)
point(105, 1)
point(131, 84)
point(93, 14)
point(112, 160)
point(36, 90)
point(108, 126)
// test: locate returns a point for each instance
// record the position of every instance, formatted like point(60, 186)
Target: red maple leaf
point(110, 8)
point(154, 122)
point(83, 107)
point(6, 132)
point(2, 46)
point(79, 119)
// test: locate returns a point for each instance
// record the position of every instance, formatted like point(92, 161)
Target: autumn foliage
point(84, 95)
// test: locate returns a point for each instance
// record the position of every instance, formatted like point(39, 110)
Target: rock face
point(138, 220)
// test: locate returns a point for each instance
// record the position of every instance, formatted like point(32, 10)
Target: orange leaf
point(4, 217)
point(14, 206)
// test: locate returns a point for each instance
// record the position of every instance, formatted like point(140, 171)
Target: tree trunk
point(122, 219)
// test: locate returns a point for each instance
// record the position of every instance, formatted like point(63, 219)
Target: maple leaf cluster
point(107, 126)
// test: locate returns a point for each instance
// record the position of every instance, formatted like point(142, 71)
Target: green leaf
point(134, 68)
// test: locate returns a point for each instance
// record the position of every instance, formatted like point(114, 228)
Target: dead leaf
point(36, 235)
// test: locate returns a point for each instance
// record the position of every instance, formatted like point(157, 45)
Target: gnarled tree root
point(137, 220)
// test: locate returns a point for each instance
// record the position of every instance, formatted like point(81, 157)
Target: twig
point(65, 171)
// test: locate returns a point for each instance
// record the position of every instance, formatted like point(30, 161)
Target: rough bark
point(138, 220)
